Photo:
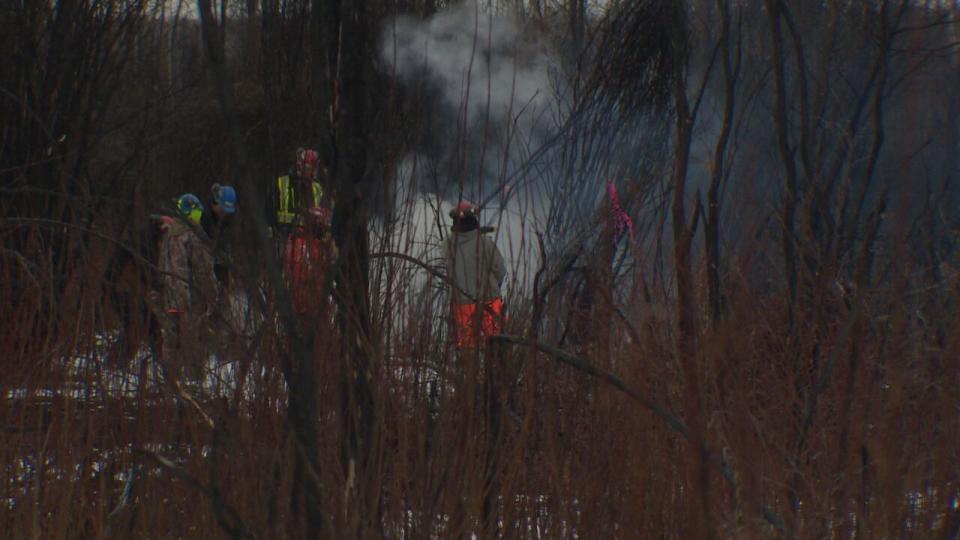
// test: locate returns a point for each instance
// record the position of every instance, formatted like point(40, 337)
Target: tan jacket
point(187, 265)
point(475, 265)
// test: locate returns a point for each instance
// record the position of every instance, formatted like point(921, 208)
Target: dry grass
point(839, 419)
point(845, 426)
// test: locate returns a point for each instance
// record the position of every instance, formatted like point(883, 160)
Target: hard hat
point(307, 156)
point(190, 207)
point(225, 197)
point(463, 210)
point(307, 162)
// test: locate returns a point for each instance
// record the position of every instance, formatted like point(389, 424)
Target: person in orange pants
point(473, 321)
point(476, 270)
point(308, 255)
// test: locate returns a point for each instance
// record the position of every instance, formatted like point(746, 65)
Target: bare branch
point(674, 422)
point(227, 517)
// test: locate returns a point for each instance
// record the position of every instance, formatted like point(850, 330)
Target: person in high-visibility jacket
point(291, 195)
point(308, 255)
point(476, 269)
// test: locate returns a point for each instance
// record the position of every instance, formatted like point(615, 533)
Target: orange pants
point(485, 319)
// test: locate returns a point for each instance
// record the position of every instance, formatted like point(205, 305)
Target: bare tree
point(299, 368)
point(730, 50)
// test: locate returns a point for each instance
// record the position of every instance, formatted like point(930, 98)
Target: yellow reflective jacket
point(288, 207)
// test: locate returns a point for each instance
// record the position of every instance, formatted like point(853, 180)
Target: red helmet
point(307, 163)
point(464, 210)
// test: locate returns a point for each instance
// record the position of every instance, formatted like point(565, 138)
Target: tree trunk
point(786, 155)
point(326, 24)
point(697, 485)
point(299, 369)
point(577, 9)
point(350, 92)
point(712, 224)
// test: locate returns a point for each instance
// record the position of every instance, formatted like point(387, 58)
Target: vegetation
point(771, 350)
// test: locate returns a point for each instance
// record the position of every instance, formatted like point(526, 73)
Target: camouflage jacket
point(186, 262)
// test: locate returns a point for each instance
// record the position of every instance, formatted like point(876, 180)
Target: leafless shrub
point(831, 413)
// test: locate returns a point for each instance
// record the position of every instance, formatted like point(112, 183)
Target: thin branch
point(125, 496)
point(182, 394)
point(223, 511)
point(674, 422)
point(928, 26)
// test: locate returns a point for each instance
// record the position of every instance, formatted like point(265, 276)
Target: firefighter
point(189, 288)
point(217, 223)
point(308, 254)
point(291, 195)
point(476, 269)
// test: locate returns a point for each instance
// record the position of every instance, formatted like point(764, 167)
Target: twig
point(125, 496)
point(221, 509)
point(193, 402)
point(315, 478)
point(659, 410)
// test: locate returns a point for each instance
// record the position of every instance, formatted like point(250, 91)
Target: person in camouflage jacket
point(189, 286)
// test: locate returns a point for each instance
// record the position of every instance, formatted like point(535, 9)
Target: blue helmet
point(225, 197)
point(190, 207)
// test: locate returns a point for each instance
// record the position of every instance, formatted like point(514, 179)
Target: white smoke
point(499, 100)
point(420, 224)
point(480, 60)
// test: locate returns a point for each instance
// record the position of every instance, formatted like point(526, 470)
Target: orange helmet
point(464, 210)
